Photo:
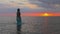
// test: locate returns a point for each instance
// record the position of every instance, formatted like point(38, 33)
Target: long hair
point(18, 12)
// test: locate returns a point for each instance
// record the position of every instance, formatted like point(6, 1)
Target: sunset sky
point(29, 6)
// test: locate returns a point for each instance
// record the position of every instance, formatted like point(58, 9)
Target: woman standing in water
point(18, 18)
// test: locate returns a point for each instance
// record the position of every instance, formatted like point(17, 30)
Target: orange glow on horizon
point(45, 14)
point(41, 14)
point(32, 14)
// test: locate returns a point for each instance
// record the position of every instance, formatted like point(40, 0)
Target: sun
point(45, 14)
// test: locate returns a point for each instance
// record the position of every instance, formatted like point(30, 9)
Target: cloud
point(19, 3)
point(49, 5)
point(32, 5)
point(51, 1)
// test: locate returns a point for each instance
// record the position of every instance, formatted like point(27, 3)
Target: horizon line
point(30, 14)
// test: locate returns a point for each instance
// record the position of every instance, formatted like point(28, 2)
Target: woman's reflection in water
point(18, 32)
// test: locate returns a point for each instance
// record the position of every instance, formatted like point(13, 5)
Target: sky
point(30, 6)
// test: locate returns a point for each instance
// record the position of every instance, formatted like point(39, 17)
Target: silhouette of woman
point(18, 20)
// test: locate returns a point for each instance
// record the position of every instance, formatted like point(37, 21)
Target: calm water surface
point(30, 25)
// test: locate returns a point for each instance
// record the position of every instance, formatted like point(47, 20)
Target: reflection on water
point(30, 25)
point(41, 25)
point(18, 32)
point(45, 26)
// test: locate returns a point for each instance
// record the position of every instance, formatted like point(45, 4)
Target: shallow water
point(30, 25)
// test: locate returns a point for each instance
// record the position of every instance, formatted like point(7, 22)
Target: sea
point(30, 25)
